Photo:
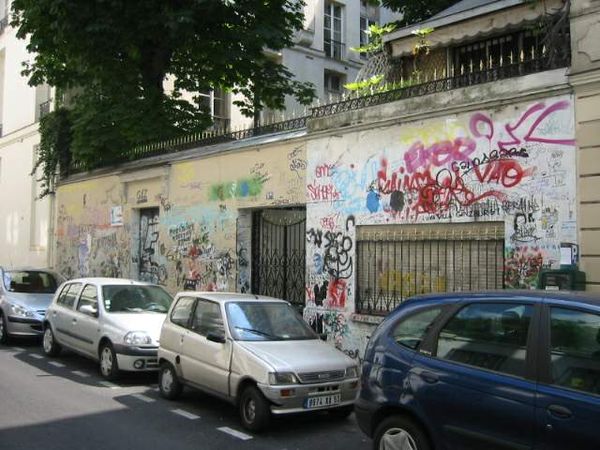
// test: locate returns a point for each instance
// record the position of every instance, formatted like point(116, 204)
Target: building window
point(43, 101)
point(394, 262)
point(333, 31)
point(365, 23)
point(334, 86)
point(215, 103)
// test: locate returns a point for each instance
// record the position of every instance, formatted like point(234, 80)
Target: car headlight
point(352, 372)
point(282, 378)
point(21, 311)
point(137, 338)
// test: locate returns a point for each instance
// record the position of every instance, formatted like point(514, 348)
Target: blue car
point(484, 370)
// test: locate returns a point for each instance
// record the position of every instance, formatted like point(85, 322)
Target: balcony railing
point(466, 76)
point(335, 49)
point(44, 109)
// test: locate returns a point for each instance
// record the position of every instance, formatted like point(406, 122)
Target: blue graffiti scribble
point(373, 201)
point(244, 189)
point(318, 263)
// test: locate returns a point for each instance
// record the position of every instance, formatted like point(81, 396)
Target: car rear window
point(30, 282)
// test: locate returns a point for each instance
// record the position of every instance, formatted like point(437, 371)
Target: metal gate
point(149, 267)
point(279, 254)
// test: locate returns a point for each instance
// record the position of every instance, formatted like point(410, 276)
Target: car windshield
point(30, 282)
point(266, 321)
point(135, 299)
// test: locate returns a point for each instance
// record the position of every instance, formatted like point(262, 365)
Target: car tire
point(109, 367)
point(4, 336)
point(49, 344)
point(168, 383)
point(400, 432)
point(341, 412)
point(255, 410)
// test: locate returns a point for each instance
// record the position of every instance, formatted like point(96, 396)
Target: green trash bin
point(563, 279)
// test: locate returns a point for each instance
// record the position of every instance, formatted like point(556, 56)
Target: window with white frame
point(333, 31)
point(334, 85)
point(215, 103)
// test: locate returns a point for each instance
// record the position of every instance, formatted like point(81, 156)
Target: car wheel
point(400, 433)
point(4, 337)
point(342, 412)
point(168, 382)
point(255, 411)
point(51, 347)
point(109, 367)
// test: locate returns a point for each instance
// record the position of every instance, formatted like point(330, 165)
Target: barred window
point(395, 262)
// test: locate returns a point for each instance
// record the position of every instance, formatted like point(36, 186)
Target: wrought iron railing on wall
point(470, 75)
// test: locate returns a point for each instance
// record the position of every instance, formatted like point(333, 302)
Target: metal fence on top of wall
point(395, 262)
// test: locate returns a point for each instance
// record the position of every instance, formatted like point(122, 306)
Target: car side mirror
point(216, 336)
point(89, 310)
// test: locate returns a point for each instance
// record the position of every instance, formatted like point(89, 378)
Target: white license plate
point(321, 402)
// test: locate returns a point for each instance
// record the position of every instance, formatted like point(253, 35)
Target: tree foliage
point(414, 11)
point(115, 55)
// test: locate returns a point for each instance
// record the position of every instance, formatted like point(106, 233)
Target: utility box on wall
point(564, 279)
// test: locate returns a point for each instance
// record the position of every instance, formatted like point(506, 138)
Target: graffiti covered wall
point(189, 227)
point(514, 165)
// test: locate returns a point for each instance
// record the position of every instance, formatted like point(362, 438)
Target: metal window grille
point(396, 262)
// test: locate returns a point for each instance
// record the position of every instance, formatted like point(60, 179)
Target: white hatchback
point(114, 321)
point(256, 352)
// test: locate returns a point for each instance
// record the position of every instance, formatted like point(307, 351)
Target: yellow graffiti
point(410, 283)
point(187, 172)
point(430, 134)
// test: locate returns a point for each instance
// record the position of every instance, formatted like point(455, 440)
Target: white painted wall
point(24, 222)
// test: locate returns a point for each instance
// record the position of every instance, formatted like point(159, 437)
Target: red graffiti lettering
point(322, 192)
point(328, 223)
point(324, 170)
point(507, 172)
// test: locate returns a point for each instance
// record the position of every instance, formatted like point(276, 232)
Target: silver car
point(24, 297)
point(114, 321)
point(255, 352)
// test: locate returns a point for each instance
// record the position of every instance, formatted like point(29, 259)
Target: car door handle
point(560, 411)
point(429, 377)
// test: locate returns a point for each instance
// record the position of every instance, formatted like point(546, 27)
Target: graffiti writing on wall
point(243, 188)
point(150, 268)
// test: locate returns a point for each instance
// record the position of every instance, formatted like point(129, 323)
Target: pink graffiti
point(322, 192)
point(438, 154)
point(324, 170)
point(527, 135)
point(329, 222)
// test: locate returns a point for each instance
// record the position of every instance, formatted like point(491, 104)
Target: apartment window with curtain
point(334, 85)
point(216, 103)
point(333, 31)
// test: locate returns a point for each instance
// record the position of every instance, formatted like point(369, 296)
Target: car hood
point(299, 356)
point(37, 302)
point(151, 323)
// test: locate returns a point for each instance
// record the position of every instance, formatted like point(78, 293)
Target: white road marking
point(108, 384)
point(36, 356)
point(235, 433)
point(183, 413)
point(143, 398)
point(80, 373)
point(56, 364)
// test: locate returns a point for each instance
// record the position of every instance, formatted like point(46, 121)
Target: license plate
point(323, 401)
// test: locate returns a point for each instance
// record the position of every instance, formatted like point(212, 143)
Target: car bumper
point(137, 359)
point(345, 391)
point(20, 326)
point(364, 411)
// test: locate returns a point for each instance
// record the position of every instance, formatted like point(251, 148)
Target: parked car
point(24, 297)
point(114, 321)
point(256, 352)
point(495, 370)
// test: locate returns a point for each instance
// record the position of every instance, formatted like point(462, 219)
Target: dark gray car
point(25, 294)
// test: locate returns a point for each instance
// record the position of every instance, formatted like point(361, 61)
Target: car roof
point(492, 295)
point(223, 297)
point(106, 281)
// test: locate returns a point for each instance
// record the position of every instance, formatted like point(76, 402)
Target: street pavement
point(63, 403)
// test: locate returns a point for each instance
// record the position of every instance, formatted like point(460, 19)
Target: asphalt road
point(63, 403)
